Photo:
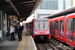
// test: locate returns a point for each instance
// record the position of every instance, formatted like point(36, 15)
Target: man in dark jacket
point(19, 32)
point(16, 29)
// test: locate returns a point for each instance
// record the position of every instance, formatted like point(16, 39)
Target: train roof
point(35, 18)
point(65, 12)
point(56, 18)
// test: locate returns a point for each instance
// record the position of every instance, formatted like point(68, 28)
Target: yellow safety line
point(29, 43)
point(21, 45)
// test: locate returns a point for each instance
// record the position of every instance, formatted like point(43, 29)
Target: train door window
point(70, 29)
point(51, 25)
point(61, 26)
point(56, 25)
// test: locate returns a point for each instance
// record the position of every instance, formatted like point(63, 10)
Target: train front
point(41, 29)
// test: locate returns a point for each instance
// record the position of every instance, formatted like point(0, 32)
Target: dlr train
point(63, 28)
point(39, 28)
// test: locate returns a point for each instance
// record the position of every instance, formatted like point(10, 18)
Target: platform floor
point(27, 43)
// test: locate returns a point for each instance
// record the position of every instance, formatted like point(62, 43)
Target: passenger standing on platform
point(16, 29)
point(12, 30)
point(19, 32)
point(22, 27)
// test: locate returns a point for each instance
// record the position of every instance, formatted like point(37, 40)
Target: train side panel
point(59, 29)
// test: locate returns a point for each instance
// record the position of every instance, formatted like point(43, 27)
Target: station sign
point(11, 17)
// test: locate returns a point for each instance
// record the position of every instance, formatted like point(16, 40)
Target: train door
point(56, 27)
point(69, 30)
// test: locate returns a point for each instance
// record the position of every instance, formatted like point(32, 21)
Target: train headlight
point(35, 33)
point(47, 32)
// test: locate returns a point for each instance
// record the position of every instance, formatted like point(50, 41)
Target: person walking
point(12, 30)
point(19, 32)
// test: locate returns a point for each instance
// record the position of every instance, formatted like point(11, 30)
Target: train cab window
point(46, 25)
point(36, 26)
point(41, 24)
point(56, 24)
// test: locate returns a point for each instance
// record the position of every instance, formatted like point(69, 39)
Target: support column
point(2, 25)
point(7, 21)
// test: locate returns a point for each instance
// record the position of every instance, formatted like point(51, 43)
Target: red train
point(39, 28)
point(63, 29)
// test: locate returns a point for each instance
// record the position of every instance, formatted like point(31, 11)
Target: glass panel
point(62, 24)
point(70, 29)
point(46, 25)
point(61, 27)
point(56, 24)
point(51, 25)
point(36, 26)
point(41, 24)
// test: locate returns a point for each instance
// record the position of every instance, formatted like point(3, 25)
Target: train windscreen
point(41, 24)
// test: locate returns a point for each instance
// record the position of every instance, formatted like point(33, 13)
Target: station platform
point(27, 43)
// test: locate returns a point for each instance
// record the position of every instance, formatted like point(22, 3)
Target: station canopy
point(20, 8)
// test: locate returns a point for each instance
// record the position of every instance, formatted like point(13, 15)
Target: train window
point(46, 25)
point(62, 24)
point(69, 24)
point(70, 28)
point(36, 26)
point(56, 24)
point(51, 25)
point(41, 24)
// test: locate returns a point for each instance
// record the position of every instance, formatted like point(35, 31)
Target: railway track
point(45, 46)
point(59, 45)
point(52, 44)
